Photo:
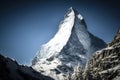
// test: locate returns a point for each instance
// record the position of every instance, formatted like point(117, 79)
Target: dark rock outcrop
point(11, 70)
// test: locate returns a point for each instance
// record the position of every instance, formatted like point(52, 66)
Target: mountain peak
point(71, 45)
point(71, 10)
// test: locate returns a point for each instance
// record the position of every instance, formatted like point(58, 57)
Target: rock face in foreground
point(10, 70)
point(73, 44)
point(105, 63)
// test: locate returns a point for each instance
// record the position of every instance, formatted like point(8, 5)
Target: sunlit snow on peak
point(79, 16)
point(60, 39)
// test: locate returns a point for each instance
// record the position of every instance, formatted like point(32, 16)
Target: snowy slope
point(60, 39)
point(72, 45)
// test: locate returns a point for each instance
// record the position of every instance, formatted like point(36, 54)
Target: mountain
point(104, 64)
point(73, 44)
point(11, 70)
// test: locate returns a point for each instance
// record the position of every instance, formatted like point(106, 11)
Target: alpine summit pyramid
point(73, 44)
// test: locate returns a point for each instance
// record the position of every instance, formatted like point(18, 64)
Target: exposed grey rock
point(105, 64)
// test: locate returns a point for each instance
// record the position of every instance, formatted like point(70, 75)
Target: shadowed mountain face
point(104, 65)
point(11, 70)
point(73, 44)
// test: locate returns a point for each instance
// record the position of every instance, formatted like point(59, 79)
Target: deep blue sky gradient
point(26, 25)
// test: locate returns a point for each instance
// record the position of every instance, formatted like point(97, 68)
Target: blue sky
point(26, 25)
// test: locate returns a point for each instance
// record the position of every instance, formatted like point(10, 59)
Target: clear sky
point(26, 25)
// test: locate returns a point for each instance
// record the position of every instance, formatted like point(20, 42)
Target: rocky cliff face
point(11, 70)
point(105, 63)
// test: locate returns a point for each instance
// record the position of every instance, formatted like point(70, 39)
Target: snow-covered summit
point(71, 45)
point(71, 9)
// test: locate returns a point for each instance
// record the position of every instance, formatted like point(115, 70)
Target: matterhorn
point(73, 44)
